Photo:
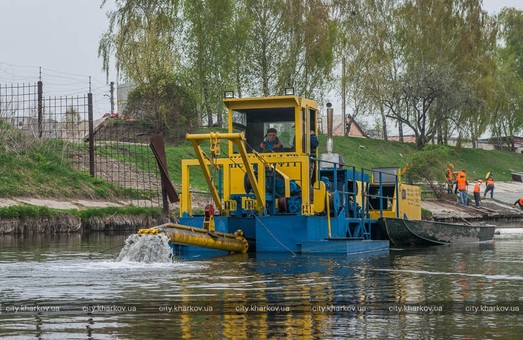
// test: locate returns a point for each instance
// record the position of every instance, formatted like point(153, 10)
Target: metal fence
point(109, 149)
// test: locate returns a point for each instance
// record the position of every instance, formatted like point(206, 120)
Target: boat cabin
point(291, 116)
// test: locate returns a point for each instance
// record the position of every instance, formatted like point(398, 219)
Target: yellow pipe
point(198, 237)
point(205, 136)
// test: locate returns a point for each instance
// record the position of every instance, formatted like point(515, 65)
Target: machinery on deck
point(290, 200)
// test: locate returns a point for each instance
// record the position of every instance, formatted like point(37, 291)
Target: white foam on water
point(510, 230)
point(146, 249)
point(493, 277)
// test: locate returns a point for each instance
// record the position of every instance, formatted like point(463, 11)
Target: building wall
point(338, 127)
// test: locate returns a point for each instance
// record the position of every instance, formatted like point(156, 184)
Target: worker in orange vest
point(461, 184)
point(477, 191)
point(458, 174)
point(450, 178)
point(518, 202)
point(490, 187)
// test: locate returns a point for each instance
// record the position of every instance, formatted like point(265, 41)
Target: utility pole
point(112, 96)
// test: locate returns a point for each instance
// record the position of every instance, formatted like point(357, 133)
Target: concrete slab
point(507, 192)
point(6, 202)
point(50, 203)
point(441, 210)
point(95, 204)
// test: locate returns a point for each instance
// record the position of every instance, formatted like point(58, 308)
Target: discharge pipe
point(199, 237)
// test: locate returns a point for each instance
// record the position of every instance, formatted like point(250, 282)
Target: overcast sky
point(62, 36)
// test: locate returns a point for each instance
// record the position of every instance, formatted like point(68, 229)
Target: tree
point(143, 36)
point(164, 103)
point(308, 57)
point(209, 46)
point(367, 53)
point(428, 166)
point(507, 105)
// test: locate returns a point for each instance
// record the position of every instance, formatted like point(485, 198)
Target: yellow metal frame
point(237, 139)
point(293, 165)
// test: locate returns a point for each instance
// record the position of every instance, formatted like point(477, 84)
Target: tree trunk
point(383, 122)
point(400, 131)
point(206, 105)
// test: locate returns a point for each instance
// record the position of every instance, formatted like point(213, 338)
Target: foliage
point(431, 66)
point(209, 46)
point(427, 166)
point(257, 47)
point(425, 64)
point(165, 104)
point(109, 211)
point(141, 36)
point(18, 211)
point(507, 102)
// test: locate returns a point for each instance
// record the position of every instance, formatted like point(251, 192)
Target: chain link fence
point(108, 148)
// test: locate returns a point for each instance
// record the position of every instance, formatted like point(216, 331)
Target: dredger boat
point(293, 200)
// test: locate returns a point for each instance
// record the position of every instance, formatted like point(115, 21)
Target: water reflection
point(255, 296)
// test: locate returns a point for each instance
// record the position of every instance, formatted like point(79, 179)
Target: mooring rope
point(274, 237)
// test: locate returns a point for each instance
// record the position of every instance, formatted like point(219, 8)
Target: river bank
point(449, 209)
point(49, 216)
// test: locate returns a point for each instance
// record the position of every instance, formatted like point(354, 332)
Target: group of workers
point(457, 181)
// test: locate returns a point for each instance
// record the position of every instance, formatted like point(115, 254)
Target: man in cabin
point(461, 184)
point(477, 191)
point(271, 141)
point(518, 202)
point(490, 187)
point(314, 142)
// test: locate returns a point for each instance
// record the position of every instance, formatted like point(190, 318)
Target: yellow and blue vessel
point(291, 200)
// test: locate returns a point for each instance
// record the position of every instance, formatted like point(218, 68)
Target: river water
point(76, 286)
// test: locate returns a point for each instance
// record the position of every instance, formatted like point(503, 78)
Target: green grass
point(41, 170)
point(369, 153)
point(19, 211)
point(108, 211)
point(373, 153)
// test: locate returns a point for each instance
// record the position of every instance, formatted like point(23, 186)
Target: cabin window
point(255, 122)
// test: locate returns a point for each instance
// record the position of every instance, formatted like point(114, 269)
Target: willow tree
point(142, 36)
point(350, 59)
point(371, 57)
point(290, 43)
point(454, 37)
point(507, 105)
point(266, 44)
point(308, 58)
point(208, 50)
point(473, 60)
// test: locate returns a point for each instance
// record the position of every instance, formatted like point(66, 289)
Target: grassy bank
point(34, 168)
point(373, 153)
point(20, 211)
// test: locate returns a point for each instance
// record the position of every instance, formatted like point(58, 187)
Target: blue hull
point(291, 233)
